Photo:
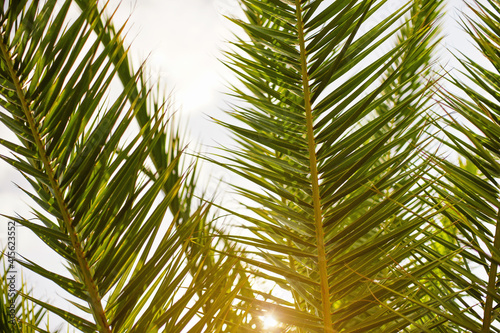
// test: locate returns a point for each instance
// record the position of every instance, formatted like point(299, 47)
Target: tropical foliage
point(355, 217)
point(100, 201)
point(473, 188)
point(31, 314)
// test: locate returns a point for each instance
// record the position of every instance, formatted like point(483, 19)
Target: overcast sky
point(182, 40)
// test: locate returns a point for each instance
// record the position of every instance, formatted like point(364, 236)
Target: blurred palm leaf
point(472, 188)
point(169, 146)
point(18, 315)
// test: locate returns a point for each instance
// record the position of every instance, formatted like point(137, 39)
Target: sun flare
point(269, 321)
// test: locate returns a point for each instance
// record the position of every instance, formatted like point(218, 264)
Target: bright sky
point(182, 40)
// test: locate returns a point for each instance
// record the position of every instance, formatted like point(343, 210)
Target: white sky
point(183, 39)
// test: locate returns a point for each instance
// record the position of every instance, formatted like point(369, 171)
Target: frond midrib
point(492, 281)
point(318, 214)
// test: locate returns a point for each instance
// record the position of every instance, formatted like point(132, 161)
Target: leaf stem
point(89, 282)
point(318, 215)
point(492, 279)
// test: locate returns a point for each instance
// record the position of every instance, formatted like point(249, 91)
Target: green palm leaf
point(100, 204)
point(18, 314)
point(332, 135)
point(472, 187)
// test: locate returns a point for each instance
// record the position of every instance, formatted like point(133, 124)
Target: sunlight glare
point(269, 321)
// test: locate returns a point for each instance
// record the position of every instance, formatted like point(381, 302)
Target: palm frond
point(169, 146)
point(100, 203)
point(473, 188)
point(18, 314)
point(332, 133)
